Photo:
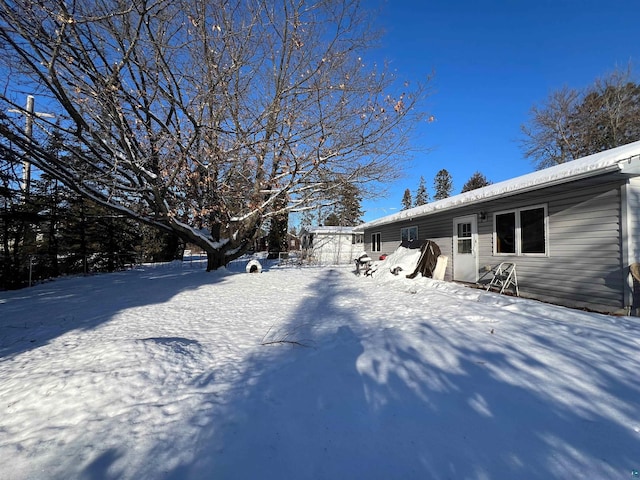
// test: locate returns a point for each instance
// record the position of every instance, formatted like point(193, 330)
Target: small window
point(521, 231)
point(465, 238)
point(409, 234)
point(375, 242)
point(356, 238)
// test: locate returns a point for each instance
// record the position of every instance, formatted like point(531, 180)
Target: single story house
point(573, 231)
point(332, 245)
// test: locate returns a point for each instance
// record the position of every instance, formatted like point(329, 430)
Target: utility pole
point(29, 112)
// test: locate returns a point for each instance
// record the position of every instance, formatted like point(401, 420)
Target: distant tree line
point(53, 231)
point(443, 187)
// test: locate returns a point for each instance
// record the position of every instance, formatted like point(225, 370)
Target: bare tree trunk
point(215, 260)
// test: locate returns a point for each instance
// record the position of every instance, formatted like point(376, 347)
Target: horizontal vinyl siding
point(583, 266)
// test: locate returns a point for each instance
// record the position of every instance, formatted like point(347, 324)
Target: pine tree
point(407, 201)
point(332, 220)
point(348, 209)
point(443, 185)
point(278, 227)
point(477, 180)
point(422, 196)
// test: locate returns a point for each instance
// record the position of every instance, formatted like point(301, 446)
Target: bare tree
point(548, 136)
point(201, 116)
point(572, 124)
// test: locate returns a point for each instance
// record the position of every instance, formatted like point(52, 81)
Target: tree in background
point(201, 117)
point(422, 196)
point(332, 220)
point(407, 200)
point(477, 180)
point(347, 209)
point(13, 219)
point(278, 227)
point(572, 124)
point(443, 185)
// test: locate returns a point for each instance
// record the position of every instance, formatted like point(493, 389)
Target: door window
point(464, 238)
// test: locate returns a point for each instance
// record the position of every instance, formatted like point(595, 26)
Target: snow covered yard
point(161, 373)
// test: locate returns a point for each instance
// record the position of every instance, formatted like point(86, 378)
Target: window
point(465, 238)
point(505, 232)
point(521, 232)
point(375, 242)
point(409, 234)
point(356, 238)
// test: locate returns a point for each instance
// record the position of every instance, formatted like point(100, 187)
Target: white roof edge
point(592, 165)
point(329, 229)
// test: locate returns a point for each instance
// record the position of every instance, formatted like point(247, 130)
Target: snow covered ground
point(169, 372)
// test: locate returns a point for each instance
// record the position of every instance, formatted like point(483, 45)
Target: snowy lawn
point(161, 373)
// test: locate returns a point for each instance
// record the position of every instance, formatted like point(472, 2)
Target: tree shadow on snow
point(389, 405)
point(32, 317)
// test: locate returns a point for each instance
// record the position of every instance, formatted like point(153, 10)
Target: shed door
point(465, 249)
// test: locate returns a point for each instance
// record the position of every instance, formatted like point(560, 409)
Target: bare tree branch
point(207, 117)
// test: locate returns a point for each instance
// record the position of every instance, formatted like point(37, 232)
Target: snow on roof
point(330, 230)
point(592, 165)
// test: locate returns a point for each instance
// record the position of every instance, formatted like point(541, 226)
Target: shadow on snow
point(358, 407)
point(30, 318)
point(393, 406)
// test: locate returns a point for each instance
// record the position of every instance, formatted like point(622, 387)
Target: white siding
point(335, 249)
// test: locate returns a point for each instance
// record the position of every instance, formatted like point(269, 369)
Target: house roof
point(625, 159)
point(330, 230)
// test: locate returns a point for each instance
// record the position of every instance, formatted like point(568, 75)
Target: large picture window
point(375, 242)
point(521, 232)
point(409, 234)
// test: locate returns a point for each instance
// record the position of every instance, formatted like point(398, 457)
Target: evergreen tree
point(12, 258)
point(157, 245)
point(407, 201)
point(347, 210)
point(308, 219)
point(278, 227)
point(332, 220)
point(443, 185)
point(422, 196)
point(477, 180)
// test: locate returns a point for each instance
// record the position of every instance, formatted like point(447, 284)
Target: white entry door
point(465, 249)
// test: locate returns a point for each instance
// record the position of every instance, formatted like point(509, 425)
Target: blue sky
point(493, 60)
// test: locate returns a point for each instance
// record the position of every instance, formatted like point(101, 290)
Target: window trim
point(518, 232)
point(412, 227)
point(375, 244)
